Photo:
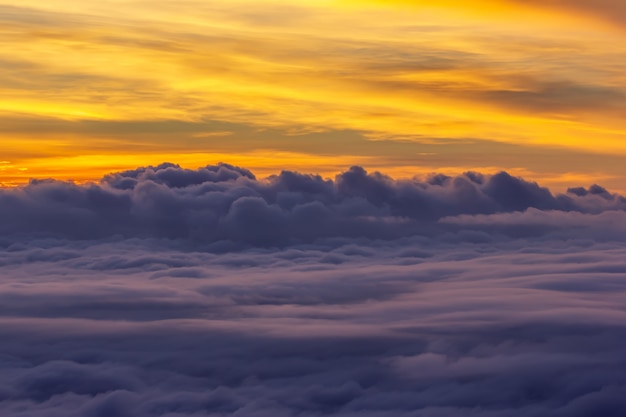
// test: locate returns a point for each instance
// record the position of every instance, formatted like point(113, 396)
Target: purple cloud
point(171, 292)
point(228, 204)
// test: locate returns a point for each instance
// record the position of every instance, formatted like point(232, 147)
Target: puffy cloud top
point(474, 295)
point(227, 203)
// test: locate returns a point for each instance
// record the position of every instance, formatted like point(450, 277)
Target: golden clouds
point(490, 70)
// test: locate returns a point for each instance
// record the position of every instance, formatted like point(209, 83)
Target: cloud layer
point(92, 88)
point(223, 203)
point(170, 292)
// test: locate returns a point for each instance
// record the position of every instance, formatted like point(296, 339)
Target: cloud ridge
point(222, 202)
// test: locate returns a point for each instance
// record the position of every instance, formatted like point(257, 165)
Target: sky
point(317, 208)
point(535, 88)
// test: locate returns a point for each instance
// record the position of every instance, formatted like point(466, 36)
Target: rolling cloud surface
point(170, 292)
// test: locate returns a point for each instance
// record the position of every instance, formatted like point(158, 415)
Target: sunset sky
point(314, 208)
point(536, 88)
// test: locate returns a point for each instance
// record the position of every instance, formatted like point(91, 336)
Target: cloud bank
point(223, 203)
point(170, 292)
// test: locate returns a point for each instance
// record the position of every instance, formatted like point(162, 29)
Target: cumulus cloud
point(223, 203)
point(171, 292)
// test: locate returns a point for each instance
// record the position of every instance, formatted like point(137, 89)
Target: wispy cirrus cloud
point(613, 11)
point(418, 73)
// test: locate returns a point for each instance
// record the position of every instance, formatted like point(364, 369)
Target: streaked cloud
point(445, 74)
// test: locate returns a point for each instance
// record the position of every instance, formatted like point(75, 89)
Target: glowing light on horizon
point(395, 71)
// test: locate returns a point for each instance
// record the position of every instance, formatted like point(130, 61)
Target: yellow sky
point(534, 87)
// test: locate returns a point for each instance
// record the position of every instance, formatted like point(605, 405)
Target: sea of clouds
point(170, 292)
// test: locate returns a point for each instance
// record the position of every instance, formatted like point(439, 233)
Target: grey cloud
point(557, 97)
point(170, 292)
point(222, 203)
point(473, 329)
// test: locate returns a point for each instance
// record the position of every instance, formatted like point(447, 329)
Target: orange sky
point(533, 87)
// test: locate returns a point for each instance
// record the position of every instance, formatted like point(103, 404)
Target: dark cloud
point(518, 328)
point(529, 94)
point(170, 292)
point(556, 97)
point(223, 203)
